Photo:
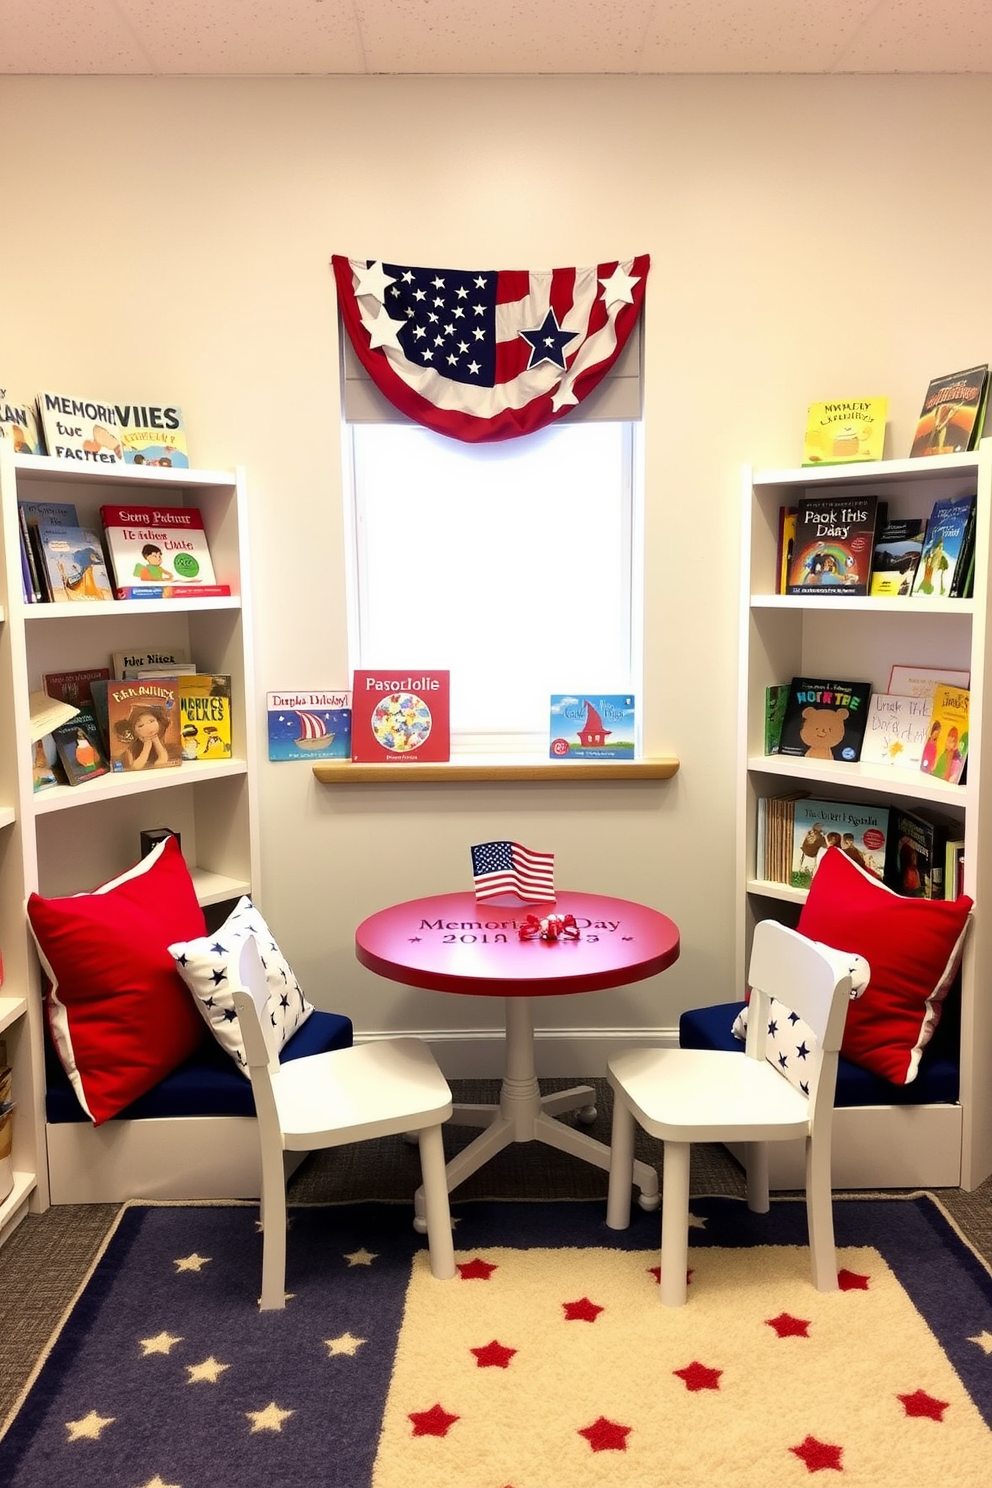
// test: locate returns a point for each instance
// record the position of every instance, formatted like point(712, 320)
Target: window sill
point(457, 771)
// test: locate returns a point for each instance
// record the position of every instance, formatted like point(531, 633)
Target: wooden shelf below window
point(457, 771)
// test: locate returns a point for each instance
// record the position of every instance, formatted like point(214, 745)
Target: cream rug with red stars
point(548, 1362)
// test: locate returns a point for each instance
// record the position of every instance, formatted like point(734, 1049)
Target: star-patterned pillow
point(209, 965)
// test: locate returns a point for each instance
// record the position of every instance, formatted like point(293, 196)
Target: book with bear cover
point(400, 717)
point(834, 543)
point(844, 431)
point(143, 723)
point(825, 719)
point(205, 716)
point(953, 413)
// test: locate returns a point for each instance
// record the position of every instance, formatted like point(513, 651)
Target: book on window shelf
point(897, 554)
point(83, 430)
point(598, 726)
point(834, 543)
point(312, 724)
point(19, 424)
point(80, 748)
point(786, 545)
point(776, 698)
point(74, 687)
point(896, 731)
point(825, 719)
point(143, 725)
point(844, 431)
point(945, 754)
point(159, 552)
point(163, 655)
point(920, 681)
point(74, 567)
point(938, 574)
point(400, 717)
point(953, 413)
point(205, 716)
point(915, 860)
point(152, 434)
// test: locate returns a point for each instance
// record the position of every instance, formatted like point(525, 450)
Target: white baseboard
point(480, 1054)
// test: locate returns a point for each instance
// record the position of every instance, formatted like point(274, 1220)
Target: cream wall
point(810, 238)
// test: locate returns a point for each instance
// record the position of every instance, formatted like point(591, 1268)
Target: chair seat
point(370, 1090)
point(699, 1095)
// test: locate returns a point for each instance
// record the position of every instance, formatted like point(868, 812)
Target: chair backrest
point(251, 1000)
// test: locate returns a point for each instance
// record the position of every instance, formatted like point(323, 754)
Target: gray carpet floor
point(46, 1260)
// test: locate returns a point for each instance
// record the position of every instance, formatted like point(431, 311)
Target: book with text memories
point(834, 544)
point(844, 431)
point(592, 726)
point(945, 753)
point(74, 566)
point(159, 549)
point(860, 831)
point(19, 424)
point(897, 730)
point(143, 725)
point(943, 546)
point(309, 724)
point(825, 719)
point(74, 687)
point(152, 435)
point(898, 546)
point(205, 716)
point(953, 413)
point(84, 430)
point(400, 717)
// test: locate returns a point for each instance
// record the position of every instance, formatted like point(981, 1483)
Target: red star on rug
point(818, 1455)
point(606, 1436)
point(787, 1326)
point(699, 1376)
point(922, 1404)
point(582, 1311)
point(655, 1271)
point(477, 1270)
point(851, 1281)
point(434, 1422)
point(493, 1356)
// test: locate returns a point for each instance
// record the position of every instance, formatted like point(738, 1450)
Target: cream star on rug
point(345, 1343)
point(162, 1343)
point(984, 1341)
point(361, 1257)
point(210, 1370)
point(192, 1262)
point(88, 1427)
point(269, 1419)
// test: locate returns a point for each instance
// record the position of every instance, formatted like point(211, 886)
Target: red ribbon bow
point(552, 927)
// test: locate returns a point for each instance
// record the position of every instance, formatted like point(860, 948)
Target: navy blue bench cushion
point(936, 1083)
point(208, 1083)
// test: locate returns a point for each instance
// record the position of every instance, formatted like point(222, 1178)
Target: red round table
point(453, 943)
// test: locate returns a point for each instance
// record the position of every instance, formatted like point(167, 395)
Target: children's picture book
point(46, 713)
point(915, 861)
point(860, 831)
point(152, 435)
point(945, 753)
point(46, 767)
point(824, 719)
point(205, 716)
point(834, 544)
point(773, 838)
point(80, 748)
point(159, 552)
point(74, 687)
point(844, 431)
point(920, 681)
point(940, 559)
point(776, 699)
point(81, 429)
point(953, 867)
point(73, 559)
point(896, 731)
point(400, 717)
point(953, 413)
point(598, 726)
point(786, 546)
point(143, 723)
point(30, 514)
point(163, 655)
point(19, 424)
point(897, 554)
point(311, 724)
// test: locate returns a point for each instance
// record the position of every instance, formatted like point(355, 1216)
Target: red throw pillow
point(120, 1015)
point(913, 947)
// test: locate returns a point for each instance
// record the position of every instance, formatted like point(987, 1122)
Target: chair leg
point(621, 1165)
point(820, 1217)
point(273, 1213)
point(756, 1173)
point(675, 1223)
point(438, 1212)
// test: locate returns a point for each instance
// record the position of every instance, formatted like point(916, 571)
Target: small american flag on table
point(508, 868)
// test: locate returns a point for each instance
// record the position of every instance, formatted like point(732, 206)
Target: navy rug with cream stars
point(548, 1362)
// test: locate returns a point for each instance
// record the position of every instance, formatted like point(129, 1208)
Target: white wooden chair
point(708, 1095)
point(380, 1089)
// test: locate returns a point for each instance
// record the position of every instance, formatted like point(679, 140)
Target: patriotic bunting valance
point(490, 354)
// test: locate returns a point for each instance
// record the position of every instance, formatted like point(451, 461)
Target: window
point(509, 564)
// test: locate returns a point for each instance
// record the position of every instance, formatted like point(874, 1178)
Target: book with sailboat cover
point(309, 724)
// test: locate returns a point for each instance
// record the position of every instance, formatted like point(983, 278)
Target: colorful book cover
point(309, 724)
point(74, 687)
point(158, 548)
point(835, 540)
point(861, 832)
point(953, 413)
point(915, 860)
point(81, 429)
point(946, 750)
point(825, 719)
point(776, 700)
point(592, 726)
point(158, 656)
point(73, 559)
point(897, 555)
point(786, 547)
point(152, 435)
point(897, 730)
point(204, 715)
point(400, 717)
point(80, 748)
point(19, 423)
point(947, 529)
point(845, 430)
point(30, 514)
point(143, 723)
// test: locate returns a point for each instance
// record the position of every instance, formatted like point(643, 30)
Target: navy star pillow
point(208, 966)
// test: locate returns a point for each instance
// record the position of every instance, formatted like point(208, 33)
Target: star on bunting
point(383, 330)
point(192, 1262)
point(373, 281)
point(345, 1343)
point(88, 1427)
point(361, 1257)
point(210, 1370)
point(162, 1343)
point(269, 1419)
point(606, 1436)
point(619, 286)
point(548, 342)
point(984, 1341)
